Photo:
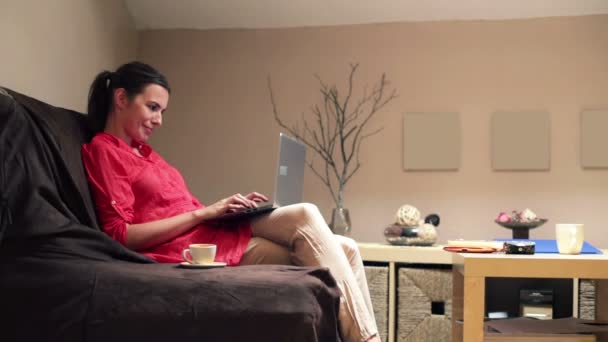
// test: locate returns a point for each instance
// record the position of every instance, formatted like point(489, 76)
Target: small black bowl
point(519, 225)
point(521, 230)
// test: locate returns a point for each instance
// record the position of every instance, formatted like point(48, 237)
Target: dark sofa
point(62, 279)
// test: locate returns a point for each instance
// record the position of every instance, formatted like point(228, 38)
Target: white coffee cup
point(569, 237)
point(200, 253)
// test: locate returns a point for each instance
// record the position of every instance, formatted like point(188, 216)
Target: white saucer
point(214, 264)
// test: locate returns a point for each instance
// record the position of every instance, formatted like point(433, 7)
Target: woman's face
point(140, 116)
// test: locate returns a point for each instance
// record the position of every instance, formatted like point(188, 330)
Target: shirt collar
point(143, 148)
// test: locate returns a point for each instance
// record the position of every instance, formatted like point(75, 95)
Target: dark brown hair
point(132, 77)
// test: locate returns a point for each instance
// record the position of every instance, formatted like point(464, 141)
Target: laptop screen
point(290, 171)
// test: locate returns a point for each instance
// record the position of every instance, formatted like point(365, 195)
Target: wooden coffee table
point(471, 270)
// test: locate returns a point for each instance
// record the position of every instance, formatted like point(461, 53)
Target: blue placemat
point(550, 246)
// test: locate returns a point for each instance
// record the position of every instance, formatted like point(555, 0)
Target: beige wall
point(220, 132)
point(51, 50)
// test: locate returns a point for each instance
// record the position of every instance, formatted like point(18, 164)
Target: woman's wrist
point(202, 214)
point(199, 214)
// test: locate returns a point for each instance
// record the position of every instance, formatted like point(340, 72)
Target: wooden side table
point(386, 253)
point(470, 272)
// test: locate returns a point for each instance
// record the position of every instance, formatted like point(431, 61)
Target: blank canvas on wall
point(594, 139)
point(431, 141)
point(521, 141)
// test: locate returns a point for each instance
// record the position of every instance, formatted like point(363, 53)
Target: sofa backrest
point(44, 191)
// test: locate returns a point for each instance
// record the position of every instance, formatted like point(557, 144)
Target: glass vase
point(340, 221)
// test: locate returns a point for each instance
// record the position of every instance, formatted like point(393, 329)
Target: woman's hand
point(256, 197)
point(226, 205)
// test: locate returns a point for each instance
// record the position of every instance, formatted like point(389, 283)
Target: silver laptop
point(289, 181)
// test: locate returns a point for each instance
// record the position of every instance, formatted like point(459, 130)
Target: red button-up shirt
point(131, 189)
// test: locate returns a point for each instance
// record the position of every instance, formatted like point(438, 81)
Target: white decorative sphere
point(527, 215)
point(428, 233)
point(407, 215)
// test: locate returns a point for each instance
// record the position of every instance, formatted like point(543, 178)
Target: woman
point(143, 202)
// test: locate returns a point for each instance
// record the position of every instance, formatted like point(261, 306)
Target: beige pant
point(298, 235)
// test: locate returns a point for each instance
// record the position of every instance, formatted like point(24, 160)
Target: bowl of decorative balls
point(520, 222)
point(409, 229)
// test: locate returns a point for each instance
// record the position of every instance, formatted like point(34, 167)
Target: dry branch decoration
point(337, 129)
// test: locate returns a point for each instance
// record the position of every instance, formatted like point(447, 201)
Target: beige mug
point(200, 253)
point(569, 237)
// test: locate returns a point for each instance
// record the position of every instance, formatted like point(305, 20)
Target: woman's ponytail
point(100, 101)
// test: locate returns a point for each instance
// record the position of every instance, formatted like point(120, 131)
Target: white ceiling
point(211, 14)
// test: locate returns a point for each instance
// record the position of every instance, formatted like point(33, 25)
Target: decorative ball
point(407, 215)
point(527, 215)
point(432, 219)
point(503, 217)
point(428, 233)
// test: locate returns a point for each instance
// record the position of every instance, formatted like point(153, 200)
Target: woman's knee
point(307, 209)
point(306, 213)
point(308, 222)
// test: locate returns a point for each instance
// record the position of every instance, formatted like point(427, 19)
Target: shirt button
point(113, 202)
